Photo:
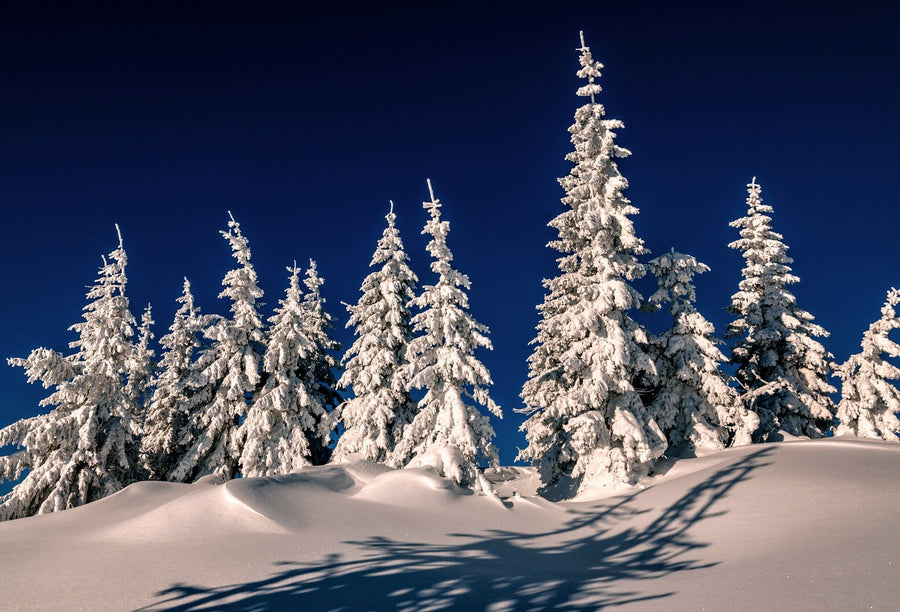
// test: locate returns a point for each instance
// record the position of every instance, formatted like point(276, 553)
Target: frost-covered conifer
point(870, 403)
point(141, 368)
point(285, 421)
point(781, 365)
point(693, 402)
point(318, 367)
point(84, 448)
point(179, 392)
point(587, 419)
point(374, 365)
point(442, 361)
point(230, 368)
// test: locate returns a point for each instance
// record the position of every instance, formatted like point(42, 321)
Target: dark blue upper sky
point(304, 123)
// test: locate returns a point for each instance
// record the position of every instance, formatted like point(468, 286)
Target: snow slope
point(795, 525)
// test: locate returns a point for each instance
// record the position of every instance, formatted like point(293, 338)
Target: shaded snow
point(804, 525)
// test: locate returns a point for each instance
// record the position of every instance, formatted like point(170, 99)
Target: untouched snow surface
point(795, 525)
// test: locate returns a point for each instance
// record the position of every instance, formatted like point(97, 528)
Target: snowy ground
point(796, 525)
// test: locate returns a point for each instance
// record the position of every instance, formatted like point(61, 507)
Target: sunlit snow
point(805, 525)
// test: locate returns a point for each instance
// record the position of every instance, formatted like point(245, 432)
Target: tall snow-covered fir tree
point(374, 366)
point(230, 367)
point(84, 448)
point(782, 367)
point(319, 366)
point(870, 403)
point(447, 432)
point(179, 391)
point(285, 422)
point(586, 418)
point(693, 402)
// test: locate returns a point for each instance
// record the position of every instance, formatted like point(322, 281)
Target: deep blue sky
point(305, 123)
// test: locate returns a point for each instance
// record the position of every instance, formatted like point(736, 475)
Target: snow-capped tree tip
point(434, 201)
point(230, 216)
point(119, 234)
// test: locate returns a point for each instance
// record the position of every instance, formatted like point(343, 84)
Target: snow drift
point(799, 525)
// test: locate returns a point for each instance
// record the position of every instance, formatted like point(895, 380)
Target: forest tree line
point(234, 395)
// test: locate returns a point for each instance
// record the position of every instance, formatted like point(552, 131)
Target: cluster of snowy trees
point(232, 396)
point(605, 397)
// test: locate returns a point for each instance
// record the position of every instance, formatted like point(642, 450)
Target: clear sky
point(304, 123)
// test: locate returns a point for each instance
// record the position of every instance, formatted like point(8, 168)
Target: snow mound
point(805, 525)
point(411, 487)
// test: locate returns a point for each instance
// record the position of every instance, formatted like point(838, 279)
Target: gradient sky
point(305, 123)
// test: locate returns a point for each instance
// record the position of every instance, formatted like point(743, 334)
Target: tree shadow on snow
point(575, 566)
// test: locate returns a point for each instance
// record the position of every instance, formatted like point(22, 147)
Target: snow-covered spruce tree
point(318, 367)
point(782, 367)
point(84, 448)
point(693, 402)
point(285, 421)
point(587, 419)
point(870, 403)
point(447, 432)
point(374, 365)
point(179, 391)
point(138, 388)
point(230, 367)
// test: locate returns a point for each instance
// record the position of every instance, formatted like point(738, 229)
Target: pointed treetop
point(391, 217)
point(434, 204)
point(754, 200)
point(590, 70)
point(232, 217)
point(186, 292)
point(119, 232)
